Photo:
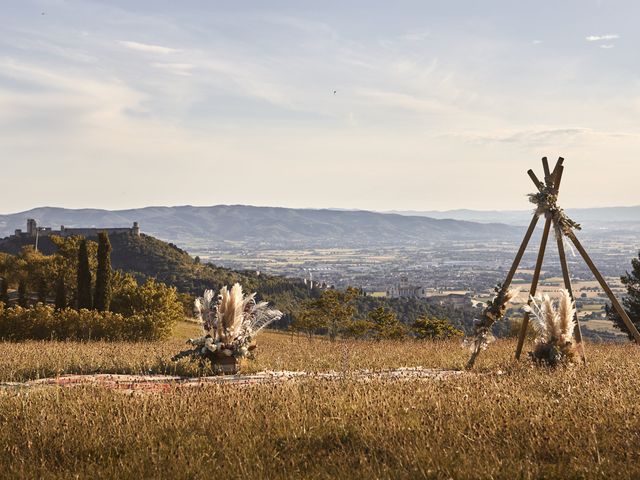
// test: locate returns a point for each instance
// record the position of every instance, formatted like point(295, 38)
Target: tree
point(4, 291)
point(434, 329)
point(43, 290)
point(386, 324)
point(332, 311)
point(66, 262)
point(359, 329)
point(61, 293)
point(152, 299)
point(23, 300)
point(631, 301)
point(307, 320)
point(102, 297)
point(83, 278)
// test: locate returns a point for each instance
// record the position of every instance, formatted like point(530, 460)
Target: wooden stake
point(547, 173)
point(521, 250)
point(614, 301)
point(534, 284)
point(558, 164)
point(539, 185)
point(557, 176)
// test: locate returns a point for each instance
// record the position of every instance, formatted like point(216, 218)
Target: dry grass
point(276, 351)
point(527, 422)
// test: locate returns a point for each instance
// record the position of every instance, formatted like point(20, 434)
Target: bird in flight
point(335, 91)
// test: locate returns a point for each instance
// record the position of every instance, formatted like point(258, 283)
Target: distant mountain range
point(228, 225)
point(219, 225)
point(614, 218)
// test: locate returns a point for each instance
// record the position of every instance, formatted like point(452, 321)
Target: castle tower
point(32, 227)
point(136, 229)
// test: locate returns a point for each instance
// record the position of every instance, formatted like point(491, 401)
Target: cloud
point(600, 38)
point(67, 96)
point(145, 47)
point(536, 42)
point(415, 36)
point(183, 69)
point(303, 25)
point(402, 100)
point(539, 136)
point(606, 46)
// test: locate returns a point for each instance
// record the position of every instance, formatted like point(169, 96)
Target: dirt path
point(162, 383)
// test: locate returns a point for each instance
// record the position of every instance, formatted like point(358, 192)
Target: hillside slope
point(149, 257)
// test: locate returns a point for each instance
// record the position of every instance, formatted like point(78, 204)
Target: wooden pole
point(614, 301)
point(567, 284)
point(547, 174)
point(539, 185)
point(534, 284)
point(558, 164)
point(557, 176)
point(521, 250)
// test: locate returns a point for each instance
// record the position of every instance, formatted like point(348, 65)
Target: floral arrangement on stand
point(494, 311)
point(230, 323)
point(554, 327)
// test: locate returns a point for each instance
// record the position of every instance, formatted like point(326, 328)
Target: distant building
point(455, 300)
point(405, 290)
point(33, 231)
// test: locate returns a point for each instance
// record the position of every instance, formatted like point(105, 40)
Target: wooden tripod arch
point(545, 198)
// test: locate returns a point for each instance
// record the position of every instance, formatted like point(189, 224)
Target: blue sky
point(437, 105)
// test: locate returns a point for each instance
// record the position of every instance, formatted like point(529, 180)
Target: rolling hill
point(267, 226)
point(613, 218)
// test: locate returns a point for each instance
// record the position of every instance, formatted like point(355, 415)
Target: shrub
point(435, 329)
point(359, 329)
point(386, 324)
point(45, 323)
point(151, 298)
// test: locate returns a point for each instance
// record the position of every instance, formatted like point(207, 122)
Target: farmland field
point(506, 419)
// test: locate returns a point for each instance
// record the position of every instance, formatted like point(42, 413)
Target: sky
point(377, 105)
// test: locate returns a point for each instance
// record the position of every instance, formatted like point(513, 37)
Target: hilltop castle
point(33, 231)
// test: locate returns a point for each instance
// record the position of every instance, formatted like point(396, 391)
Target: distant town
point(457, 274)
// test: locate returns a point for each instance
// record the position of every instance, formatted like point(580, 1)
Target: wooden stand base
point(224, 364)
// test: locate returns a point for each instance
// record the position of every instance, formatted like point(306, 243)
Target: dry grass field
point(505, 420)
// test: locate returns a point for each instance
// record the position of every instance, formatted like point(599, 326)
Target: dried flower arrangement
point(546, 204)
point(554, 326)
point(230, 324)
point(494, 311)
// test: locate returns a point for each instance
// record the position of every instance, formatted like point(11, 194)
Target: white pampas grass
point(231, 321)
point(554, 326)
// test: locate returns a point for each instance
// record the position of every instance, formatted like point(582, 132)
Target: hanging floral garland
point(494, 311)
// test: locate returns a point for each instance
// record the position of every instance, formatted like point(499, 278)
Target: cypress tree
point(61, 293)
point(631, 301)
point(4, 291)
point(83, 277)
point(42, 291)
point(23, 301)
point(102, 297)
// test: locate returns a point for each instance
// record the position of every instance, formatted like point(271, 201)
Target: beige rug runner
point(158, 383)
